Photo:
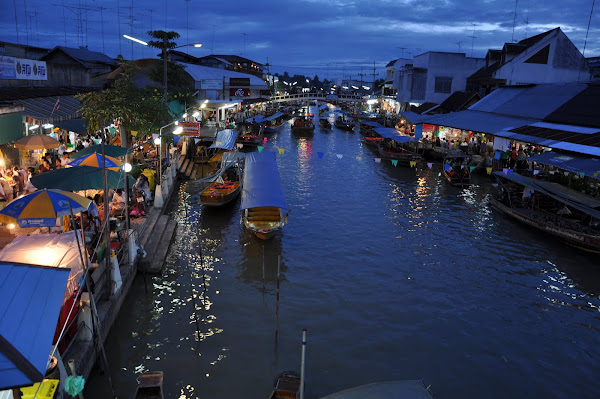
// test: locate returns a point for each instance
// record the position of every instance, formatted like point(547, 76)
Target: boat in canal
point(371, 138)
point(264, 209)
point(251, 132)
point(392, 146)
point(343, 124)
point(303, 125)
point(324, 124)
point(273, 122)
point(287, 386)
point(456, 168)
point(564, 213)
point(150, 386)
point(225, 186)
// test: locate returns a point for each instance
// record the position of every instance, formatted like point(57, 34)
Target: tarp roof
point(484, 122)
point(568, 162)
point(54, 250)
point(414, 117)
point(391, 133)
point(44, 108)
point(31, 300)
point(373, 124)
point(262, 184)
point(225, 139)
point(274, 116)
point(256, 119)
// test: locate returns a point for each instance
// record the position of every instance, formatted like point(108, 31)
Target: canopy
point(274, 116)
point(36, 142)
point(225, 139)
point(570, 163)
point(565, 195)
point(262, 184)
point(373, 124)
point(403, 389)
point(256, 119)
point(79, 178)
point(72, 125)
point(55, 250)
point(391, 133)
point(228, 159)
point(31, 301)
point(95, 159)
point(110, 150)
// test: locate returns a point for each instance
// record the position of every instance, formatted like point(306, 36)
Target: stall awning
point(11, 128)
point(262, 184)
point(415, 118)
point(372, 124)
point(571, 163)
point(31, 300)
point(44, 109)
point(483, 122)
point(391, 133)
point(225, 139)
point(72, 125)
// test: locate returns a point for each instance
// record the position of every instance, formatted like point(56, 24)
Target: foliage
point(178, 81)
point(137, 109)
point(161, 35)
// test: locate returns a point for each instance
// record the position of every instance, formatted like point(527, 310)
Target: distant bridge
point(318, 96)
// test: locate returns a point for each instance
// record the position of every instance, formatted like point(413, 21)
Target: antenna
point(459, 43)
point(526, 26)
point(473, 37)
point(402, 54)
point(586, 37)
point(514, 21)
point(374, 74)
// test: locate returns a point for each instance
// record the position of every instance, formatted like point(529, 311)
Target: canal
point(394, 273)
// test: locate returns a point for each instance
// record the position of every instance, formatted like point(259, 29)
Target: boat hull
point(457, 181)
point(404, 157)
point(219, 194)
point(584, 241)
point(264, 222)
point(303, 130)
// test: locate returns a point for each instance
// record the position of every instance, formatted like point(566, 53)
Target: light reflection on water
point(395, 274)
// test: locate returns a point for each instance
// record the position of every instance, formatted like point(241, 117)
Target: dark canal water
point(395, 274)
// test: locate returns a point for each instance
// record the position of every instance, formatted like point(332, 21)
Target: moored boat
point(287, 386)
point(303, 125)
point(264, 209)
point(562, 212)
point(372, 138)
point(273, 122)
point(324, 123)
point(344, 124)
point(225, 186)
point(150, 386)
point(391, 146)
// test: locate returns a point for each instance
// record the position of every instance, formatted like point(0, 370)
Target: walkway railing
point(318, 96)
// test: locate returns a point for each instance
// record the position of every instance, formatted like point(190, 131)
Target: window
point(443, 85)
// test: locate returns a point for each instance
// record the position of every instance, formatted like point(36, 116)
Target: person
point(64, 160)
point(62, 147)
point(57, 163)
point(18, 186)
point(118, 202)
point(7, 189)
point(29, 187)
point(45, 166)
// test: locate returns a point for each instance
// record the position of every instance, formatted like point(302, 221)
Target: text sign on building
point(239, 92)
point(20, 68)
point(211, 84)
point(190, 128)
point(239, 81)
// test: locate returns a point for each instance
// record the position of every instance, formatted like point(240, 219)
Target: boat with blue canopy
point(273, 122)
point(224, 141)
point(264, 208)
point(225, 185)
point(392, 146)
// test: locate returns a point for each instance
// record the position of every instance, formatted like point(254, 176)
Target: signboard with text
point(20, 68)
point(211, 84)
point(239, 81)
point(239, 92)
point(190, 128)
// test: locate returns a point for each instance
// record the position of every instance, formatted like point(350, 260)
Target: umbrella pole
point(93, 302)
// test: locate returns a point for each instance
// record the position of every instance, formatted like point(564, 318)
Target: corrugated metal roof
point(41, 108)
point(414, 118)
point(536, 101)
point(555, 144)
point(199, 72)
point(85, 55)
point(483, 122)
point(31, 301)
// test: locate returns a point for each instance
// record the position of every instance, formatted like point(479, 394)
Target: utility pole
point(361, 74)
point(473, 37)
point(374, 74)
point(514, 21)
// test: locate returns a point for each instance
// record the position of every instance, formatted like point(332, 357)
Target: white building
point(433, 76)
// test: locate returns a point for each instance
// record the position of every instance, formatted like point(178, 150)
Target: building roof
point(581, 110)
point(458, 101)
point(83, 56)
point(486, 72)
point(484, 122)
point(199, 72)
point(8, 94)
point(234, 59)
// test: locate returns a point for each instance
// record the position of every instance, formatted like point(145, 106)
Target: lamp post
point(165, 53)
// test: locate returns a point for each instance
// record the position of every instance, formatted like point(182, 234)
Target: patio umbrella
point(36, 142)
point(95, 159)
point(110, 150)
point(41, 208)
point(79, 178)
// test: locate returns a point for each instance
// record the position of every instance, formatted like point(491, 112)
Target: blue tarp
point(373, 124)
point(262, 185)
point(256, 119)
point(225, 139)
point(570, 163)
point(274, 116)
point(31, 300)
point(391, 133)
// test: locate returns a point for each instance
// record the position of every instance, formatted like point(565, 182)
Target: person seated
point(118, 203)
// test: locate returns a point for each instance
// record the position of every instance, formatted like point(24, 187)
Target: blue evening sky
point(330, 38)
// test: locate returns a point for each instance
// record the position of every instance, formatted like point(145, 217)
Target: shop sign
point(190, 128)
point(239, 92)
point(211, 84)
point(20, 68)
point(239, 81)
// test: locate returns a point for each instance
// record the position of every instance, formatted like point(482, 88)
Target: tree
point(164, 43)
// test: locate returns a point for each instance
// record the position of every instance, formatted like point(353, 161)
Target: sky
point(329, 38)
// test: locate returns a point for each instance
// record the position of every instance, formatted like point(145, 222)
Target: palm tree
point(164, 43)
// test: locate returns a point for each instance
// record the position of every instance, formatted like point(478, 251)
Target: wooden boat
point(343, 124)
point(150, 386)
point(251, 133)
point(562, 212)
point(287, 386)
point(324, 123)
point(273, 122)
point(303, 125)
point(221, 192)
point(402, 155)
point(456, 168)
point(372, 138)
point(264, 209)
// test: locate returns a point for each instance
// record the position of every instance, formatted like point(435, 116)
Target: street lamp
point(165, 51)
